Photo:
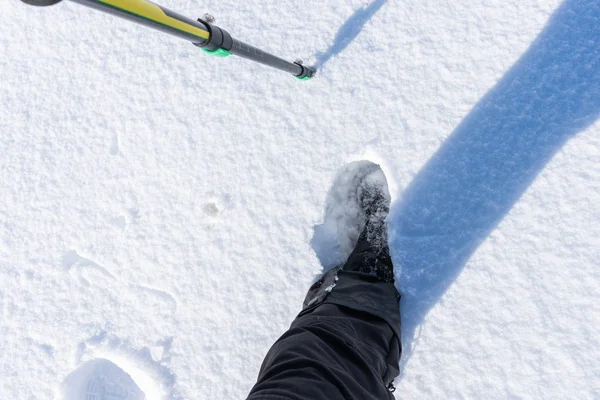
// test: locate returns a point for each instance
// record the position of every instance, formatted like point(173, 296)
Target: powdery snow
point(157, 205)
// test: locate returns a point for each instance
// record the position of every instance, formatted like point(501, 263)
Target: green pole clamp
point(221, 53)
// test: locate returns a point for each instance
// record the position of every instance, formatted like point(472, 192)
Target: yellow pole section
point(152, 12)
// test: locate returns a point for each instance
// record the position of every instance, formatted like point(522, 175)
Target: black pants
point(345, 344)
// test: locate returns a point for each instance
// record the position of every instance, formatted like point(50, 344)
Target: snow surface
point(157, 205)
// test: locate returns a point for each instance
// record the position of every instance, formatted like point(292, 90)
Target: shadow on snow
point(349, 31)
point(487, 163)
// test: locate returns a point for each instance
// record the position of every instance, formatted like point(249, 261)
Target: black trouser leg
point(345, 344)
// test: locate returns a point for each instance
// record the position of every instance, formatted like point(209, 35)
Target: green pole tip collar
point(221, 53)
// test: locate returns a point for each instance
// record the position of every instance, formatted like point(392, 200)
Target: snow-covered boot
point(371, 255)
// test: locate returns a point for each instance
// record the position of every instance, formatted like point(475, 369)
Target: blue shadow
point(349, 31)
point(484, 167)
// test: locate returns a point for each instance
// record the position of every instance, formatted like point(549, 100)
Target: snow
point(157, 205)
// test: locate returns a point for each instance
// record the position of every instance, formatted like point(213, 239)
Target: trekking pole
point(212, 39)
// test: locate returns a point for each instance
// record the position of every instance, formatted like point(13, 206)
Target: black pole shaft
point(244, 50)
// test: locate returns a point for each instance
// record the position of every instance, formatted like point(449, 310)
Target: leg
point(344, 345)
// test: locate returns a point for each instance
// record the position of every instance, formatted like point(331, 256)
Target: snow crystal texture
point(158, 206)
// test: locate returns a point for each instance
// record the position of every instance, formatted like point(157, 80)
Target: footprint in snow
point(100, 379)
